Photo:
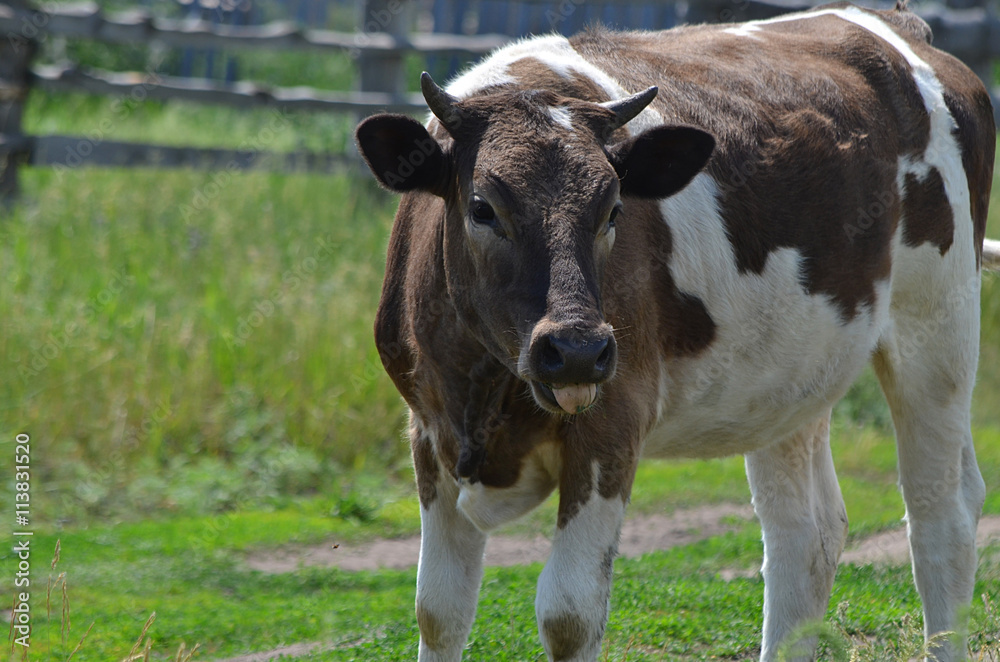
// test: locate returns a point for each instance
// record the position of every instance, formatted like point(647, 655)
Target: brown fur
point(566, 635)
point(809, 125)
point(789, 100)
point(926, 212)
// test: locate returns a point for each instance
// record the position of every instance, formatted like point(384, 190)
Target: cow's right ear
point(401, 154)
point(661, 161)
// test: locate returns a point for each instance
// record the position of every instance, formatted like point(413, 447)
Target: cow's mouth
point(565, 398)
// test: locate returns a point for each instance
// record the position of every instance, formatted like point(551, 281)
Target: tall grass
point(140, 337)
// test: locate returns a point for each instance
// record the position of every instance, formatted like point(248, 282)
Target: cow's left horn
point(440, 102)
point(626, 109)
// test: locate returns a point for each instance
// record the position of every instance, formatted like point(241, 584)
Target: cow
point(686, 244)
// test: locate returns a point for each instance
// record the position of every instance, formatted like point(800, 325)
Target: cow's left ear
point(401, 154)
point(661, 161)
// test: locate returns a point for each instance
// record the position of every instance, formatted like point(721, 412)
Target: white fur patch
point(576, 580)
point(555, 52)
point(449, 574)
point(561, 116)
point(750, 27)
point(489, 507)
point(780, 355)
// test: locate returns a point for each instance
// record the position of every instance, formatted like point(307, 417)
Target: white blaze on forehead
point(561, 116)
point(493, 70)
point(556, 53)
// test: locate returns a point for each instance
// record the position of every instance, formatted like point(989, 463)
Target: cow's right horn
point(440, 102)
point(626, 109)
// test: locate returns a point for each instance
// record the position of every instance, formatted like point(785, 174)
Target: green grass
point(142, 344)
point(665, 606)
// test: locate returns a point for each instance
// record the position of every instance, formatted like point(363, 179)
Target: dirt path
point(891, 547)
point(640, 535)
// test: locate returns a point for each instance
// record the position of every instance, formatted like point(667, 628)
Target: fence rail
point(88, 21)
point(71, 151)
point(244, 95)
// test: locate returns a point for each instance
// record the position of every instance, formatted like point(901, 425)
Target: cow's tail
point(991, 255)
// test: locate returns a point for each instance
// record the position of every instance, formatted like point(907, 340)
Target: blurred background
point(191, 254)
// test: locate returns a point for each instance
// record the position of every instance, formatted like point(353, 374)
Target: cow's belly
point(739, 398)
point(753, 389)
point(780, 357)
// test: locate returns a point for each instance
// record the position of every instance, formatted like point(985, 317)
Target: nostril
point(550, 358)
point(601, 365)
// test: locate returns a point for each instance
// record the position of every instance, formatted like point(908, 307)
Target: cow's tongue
point(575, 398)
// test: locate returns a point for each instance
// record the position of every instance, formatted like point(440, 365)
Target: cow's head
point(533, 187)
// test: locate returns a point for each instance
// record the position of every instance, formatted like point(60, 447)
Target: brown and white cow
point(580, 273)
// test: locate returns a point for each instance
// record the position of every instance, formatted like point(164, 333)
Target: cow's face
point(533, 189)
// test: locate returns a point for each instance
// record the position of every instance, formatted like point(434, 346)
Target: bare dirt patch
point(640, 535)
point(892, 548)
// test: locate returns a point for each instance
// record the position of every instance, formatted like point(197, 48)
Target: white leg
point(450, 570)
point(574, 588)
point(927, 375)
point(797, 499)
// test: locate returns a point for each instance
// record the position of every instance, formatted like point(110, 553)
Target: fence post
point(383, 72)
point(17, 48)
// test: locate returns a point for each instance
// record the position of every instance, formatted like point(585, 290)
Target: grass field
point(671, 605)
point(192, 358)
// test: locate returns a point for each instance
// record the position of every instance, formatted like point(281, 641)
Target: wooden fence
point(971, 33)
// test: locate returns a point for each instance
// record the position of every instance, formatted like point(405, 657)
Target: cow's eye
point(614, 214)
point(482, 212)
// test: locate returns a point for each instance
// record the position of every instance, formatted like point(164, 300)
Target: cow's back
point(849, 150)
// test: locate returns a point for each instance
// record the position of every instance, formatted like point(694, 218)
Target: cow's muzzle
point(567, 365)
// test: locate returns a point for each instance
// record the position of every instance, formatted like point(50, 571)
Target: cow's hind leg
point(450, 569)
point(802, 515)
point(927, 368)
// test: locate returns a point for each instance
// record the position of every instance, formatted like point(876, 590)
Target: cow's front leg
point(801, 511)
point(450, 570)
point(575, 587)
